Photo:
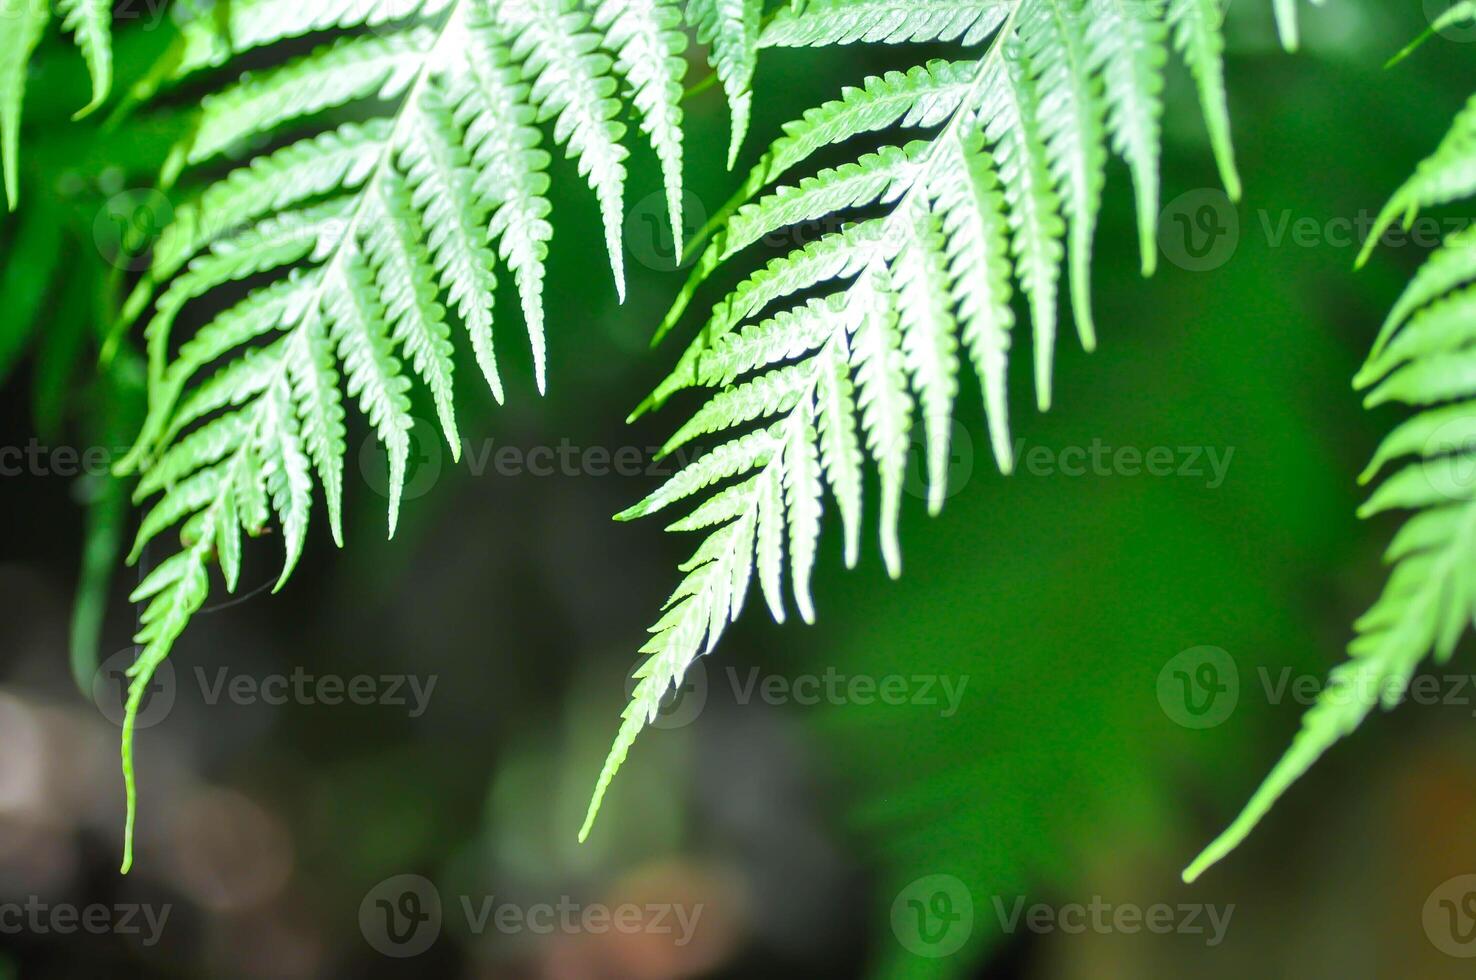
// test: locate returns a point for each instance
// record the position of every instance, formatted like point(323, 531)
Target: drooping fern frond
point(368, 247)
point(90, 22)
point(1001, 192)
point(1424, 357)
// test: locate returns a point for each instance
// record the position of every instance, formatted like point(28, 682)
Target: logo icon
point(128, 227)
point(933, 916)
point(1450, 917)
point(1199, 230)
point(1199, 687)
point(1450, 457)
point(401, 916)
point(1461, 29)
point(959, 467)
point(111, 683)
point(648, 231)
point(681, 705)
point(422, 466)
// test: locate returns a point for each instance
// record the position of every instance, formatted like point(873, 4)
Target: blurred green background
point(847, 837)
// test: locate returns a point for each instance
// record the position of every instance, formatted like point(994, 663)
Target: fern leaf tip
point(88, 109)
point(1209, 857)
point(631, 513)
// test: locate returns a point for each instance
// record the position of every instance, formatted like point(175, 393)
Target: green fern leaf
point(1423, 358)
point(219, 34)
point(369, 246)
point(1011, 175)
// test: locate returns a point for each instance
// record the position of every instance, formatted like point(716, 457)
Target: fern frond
point(1005, 190)
point(369, 246)
point(1422, 357)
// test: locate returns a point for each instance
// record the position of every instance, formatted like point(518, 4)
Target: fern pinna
point(361, 232)
point(90, 23)
point(1423, 357)
point(1004, 192)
